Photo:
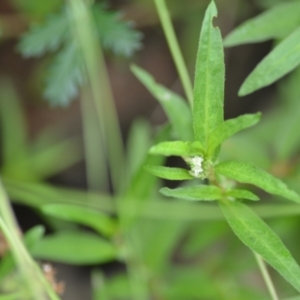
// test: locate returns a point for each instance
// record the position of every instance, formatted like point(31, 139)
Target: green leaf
point(242, 194)
point(82, 215)
point(56, 157)
point(281, 60)
point(194, 193)
point(14, 133)
point(138, 144)
point(45, 37)
point(158, 239)
point(142, 184)
point(255, 234)
point(209, 80)
point(31, 237)
point(229, 128)
point(65, 75)
point(175, 107)
point(247, 173)
point(286, 140)
point(115, 34)
point(177, 148)
point(266, 26)
point(74, 247)
point(169, 173)
point(191, 282)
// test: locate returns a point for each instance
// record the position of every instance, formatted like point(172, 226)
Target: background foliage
point(137, 242)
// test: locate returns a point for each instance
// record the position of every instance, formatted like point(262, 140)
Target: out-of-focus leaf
point(191, 283)
point(281, 60)
point(82, 215)
point(47, 37)
point(175, 107)
point(36, 8)
point(31, 237)
point(13, 125)
point(209, 80)
point(242, 194)
point(138, 144)
point(99, 285)
point(116, 35)
point(177, 148)
point(229, 128)
point(286, 141)
point(56, 158)
point(266, 26)
point(158, 239)
point(38, 194)
point(65, 75)
point(169, 173)
point(74, 247)
point(118, 287)
point(200, 237)
point(246, 147)
point(247, 173)
point(194, 193)
point(255, 234)
point(142, 183)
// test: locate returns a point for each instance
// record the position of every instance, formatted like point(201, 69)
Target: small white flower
point(196, 166)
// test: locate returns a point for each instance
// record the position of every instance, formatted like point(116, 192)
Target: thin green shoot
point(266, 276)
point(174, 48)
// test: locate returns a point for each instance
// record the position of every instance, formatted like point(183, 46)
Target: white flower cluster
point(196, 166)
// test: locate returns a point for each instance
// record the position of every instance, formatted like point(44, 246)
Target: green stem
point(96, 166)
point(266, 276)
point(31, 273)
point(98, 81)
point(174, 48)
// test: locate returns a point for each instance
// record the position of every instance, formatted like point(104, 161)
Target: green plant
point(139, 227)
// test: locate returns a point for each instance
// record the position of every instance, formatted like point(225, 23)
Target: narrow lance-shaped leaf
point(177, 148)
point(175, 107)
point(247, 173)
point(255, 234)
point(82, 215)
point(229, 128)
point(74, 247)
point(266, 26)
point(194, 193)
point(281, 60)
point(209, 79)
point(242, 194)
point(169, 173)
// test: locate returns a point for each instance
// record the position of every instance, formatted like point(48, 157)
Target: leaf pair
point(284, 57)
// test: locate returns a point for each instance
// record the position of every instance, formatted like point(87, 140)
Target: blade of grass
point(102, 98)
point(266, 276)
point(37, 284)
point(174, 48)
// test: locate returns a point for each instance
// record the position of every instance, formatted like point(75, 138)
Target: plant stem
point(36, 282)
point(101, 93)
point(266, 276)
point(174, 48)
